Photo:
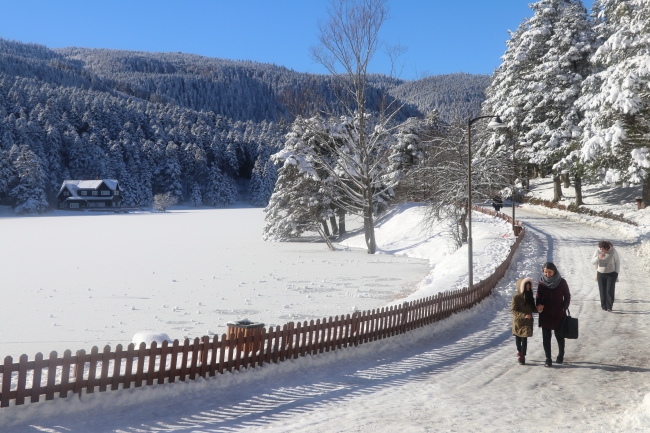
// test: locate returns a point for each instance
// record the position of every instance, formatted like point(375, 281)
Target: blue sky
point(442, 36)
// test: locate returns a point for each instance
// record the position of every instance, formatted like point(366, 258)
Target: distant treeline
point(170, 122)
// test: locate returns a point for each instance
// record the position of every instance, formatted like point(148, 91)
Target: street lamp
point(494, 124)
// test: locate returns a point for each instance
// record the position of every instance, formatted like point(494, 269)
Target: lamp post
point(495, 124)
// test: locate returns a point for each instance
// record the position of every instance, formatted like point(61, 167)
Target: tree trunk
point(335, 227)
point(577, 184)
point(463, 227)
point(557, 189)
point(567, 180)
point(369, 229)
point(541, 172)
point(326, 229)
point(341, 214)
point(645, 195)
point(326, 239)
point(535, 172)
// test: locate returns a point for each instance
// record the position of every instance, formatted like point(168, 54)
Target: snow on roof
point(89, 184)
point(74, 184)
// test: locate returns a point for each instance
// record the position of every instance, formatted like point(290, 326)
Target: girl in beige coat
point(522, 308)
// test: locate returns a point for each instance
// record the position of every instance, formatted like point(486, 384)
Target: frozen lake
point(73, 281)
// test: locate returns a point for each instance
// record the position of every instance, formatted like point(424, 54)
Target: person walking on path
point(522, 307)
point(552, 299)
point(608, 265)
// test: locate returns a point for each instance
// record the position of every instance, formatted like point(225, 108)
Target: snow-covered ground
point(72, 281)
point(597, 197)
point(459, 375)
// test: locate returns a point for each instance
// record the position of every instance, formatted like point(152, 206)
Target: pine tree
point(297, 205)
point(221, 189)
point(7, 173)
point(616, 101)
point(539, 80)
point(195, 195)
point(30, 192)
point(255, 190)
point(172, 171)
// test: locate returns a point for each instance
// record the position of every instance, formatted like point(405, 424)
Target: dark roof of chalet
point(74, 185)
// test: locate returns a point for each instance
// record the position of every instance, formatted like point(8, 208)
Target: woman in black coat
point(552, 299)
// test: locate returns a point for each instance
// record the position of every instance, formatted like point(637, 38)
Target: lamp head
point(497, 123)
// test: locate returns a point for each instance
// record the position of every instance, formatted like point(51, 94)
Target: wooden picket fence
point(203, 357)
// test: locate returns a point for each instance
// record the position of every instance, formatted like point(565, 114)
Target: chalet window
point(116, 193)
point(95, 193)
point(83, 192)
point(101, 204)
point(61, 205)
point(106, 193)
point(91, 204)
point(74, 205)
point(66, 193)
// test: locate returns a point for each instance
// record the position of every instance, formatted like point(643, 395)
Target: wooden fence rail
point(203, 357)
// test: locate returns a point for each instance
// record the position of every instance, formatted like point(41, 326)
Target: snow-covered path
point(457, 375)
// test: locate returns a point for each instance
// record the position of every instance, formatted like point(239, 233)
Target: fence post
point(51, 375)
point(6, 381)
point(162, 365)
point(36, 382)
point(106, 359)
point(80, 367)
point(65, 373)
point(92, 370)
point(151, 368)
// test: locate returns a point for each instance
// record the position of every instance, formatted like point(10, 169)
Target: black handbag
point(569, 326)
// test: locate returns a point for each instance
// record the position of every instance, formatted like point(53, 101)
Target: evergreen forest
point(202, 129)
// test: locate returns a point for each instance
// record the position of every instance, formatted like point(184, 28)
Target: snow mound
point(638, 417)
point(148, 337)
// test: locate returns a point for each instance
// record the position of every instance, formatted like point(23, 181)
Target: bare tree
point(162, 202)
point(355, 159)
point(442, 179)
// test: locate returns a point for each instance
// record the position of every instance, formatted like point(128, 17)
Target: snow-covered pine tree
point(195, 195)
point(221, 189)
point(30, 192)
point(7, 173)
point(172, 170)
point(616, 101)
point(538, 81)
point(269, 178)
point(298, 203)
point(255, 191)
point(414, 136)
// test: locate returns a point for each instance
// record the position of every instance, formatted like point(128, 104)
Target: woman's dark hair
point(605, 244)
point(551, 266)
point(528, 283)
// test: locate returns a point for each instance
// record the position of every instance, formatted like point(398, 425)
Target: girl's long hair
point(528, 296)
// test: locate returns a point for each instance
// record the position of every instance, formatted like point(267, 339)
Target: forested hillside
point(169, 122)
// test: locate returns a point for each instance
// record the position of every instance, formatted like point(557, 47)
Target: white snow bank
point(148, 337)
point(405, 234)
point(639, 417)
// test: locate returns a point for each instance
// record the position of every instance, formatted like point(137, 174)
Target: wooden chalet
point(89, 194)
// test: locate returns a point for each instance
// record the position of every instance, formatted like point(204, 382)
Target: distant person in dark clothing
point(497, 203)
point(552, 299)
point(608, 265)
